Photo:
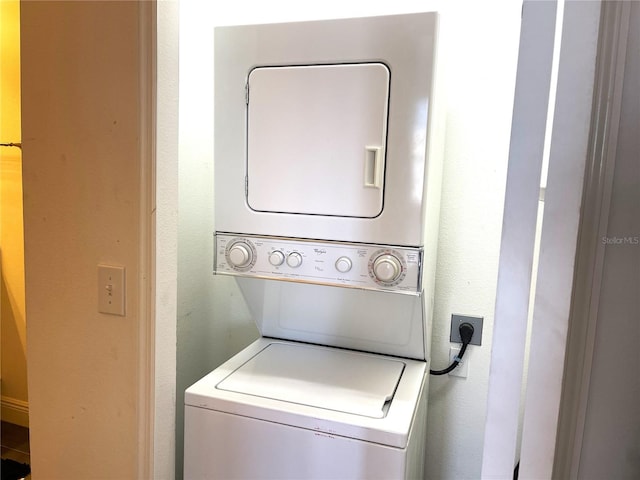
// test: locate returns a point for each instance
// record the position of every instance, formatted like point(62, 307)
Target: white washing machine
point(284, 409)
point(327, 199)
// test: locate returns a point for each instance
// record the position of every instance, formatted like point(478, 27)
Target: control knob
point(240, 254)
point(294, 260)
point(343, 264)
point(387, 268)
point(276, 258)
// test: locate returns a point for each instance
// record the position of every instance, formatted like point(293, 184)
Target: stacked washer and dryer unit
point(327, 199)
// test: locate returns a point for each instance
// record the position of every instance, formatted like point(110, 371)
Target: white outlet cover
point(462, 370)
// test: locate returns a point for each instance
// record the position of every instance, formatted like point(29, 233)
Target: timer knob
point(240, 254)
point(294, 260)
point(276, 258)
point(387, 268)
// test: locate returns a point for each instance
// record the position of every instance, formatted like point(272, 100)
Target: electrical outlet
point(456, 320)
point(462, 370)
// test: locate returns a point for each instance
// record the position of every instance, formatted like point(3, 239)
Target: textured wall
point(81, 146)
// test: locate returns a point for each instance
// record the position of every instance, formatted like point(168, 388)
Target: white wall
point(480, 42)
point(481, 53)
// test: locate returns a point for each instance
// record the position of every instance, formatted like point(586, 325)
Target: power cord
point(466, 334)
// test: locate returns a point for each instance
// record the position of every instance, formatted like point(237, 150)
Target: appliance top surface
point(314, 387)
point(339, 380)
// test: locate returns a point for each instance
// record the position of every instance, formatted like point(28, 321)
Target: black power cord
point(466, 334)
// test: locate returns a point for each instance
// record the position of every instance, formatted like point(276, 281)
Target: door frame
point(157, 365)
point(569, 141)
point(612, 50)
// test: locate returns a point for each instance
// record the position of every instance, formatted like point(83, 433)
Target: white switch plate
point(463, 368)
point(111, 294)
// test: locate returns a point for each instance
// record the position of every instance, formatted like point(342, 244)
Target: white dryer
point(327, 201)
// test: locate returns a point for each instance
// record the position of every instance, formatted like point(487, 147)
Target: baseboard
point(15, 411)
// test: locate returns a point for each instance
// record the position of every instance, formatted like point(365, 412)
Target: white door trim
point(593, 227)
point(146, 255)
point(533, 81)
point(165, 258)
point(568, 156)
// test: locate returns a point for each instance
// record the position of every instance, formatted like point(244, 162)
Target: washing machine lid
point(393, 429)
point(339, 380)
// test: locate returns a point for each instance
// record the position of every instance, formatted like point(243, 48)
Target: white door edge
point(528, 131)
point(556, 270)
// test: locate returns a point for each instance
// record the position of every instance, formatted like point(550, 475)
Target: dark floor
point(15, 443)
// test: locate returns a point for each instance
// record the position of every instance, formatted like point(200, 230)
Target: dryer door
point(316, 138)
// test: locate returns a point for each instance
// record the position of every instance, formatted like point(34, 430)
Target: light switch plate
point(111, 290)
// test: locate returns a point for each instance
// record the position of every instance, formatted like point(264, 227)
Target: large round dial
point(240, 255)
point(387, 268)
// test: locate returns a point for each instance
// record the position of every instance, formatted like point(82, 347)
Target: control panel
point(375, 267)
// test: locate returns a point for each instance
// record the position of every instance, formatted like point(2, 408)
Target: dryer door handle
point(373, 165)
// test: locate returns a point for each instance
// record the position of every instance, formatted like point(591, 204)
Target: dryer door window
point(316, 138)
